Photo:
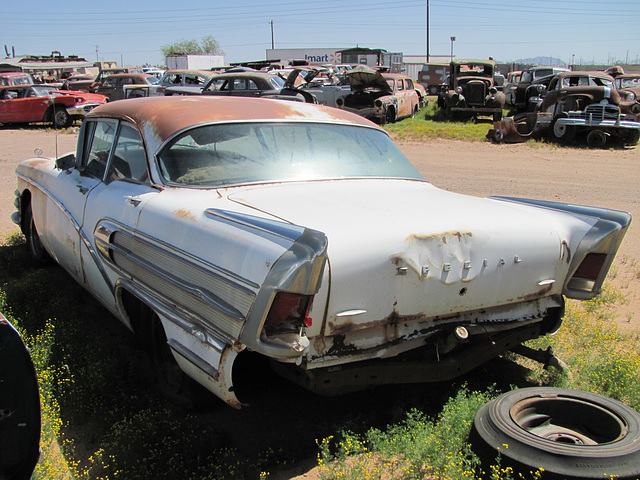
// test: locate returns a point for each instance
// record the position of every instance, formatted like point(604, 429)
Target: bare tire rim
point(559, 129)
point(568, 421)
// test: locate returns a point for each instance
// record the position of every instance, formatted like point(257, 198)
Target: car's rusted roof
point(169, 114)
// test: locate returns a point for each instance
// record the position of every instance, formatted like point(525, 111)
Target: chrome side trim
point(191, 357)
point(196, 287)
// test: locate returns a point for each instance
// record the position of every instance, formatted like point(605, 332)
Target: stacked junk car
point(585, 105)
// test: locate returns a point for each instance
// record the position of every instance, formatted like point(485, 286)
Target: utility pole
point(272, 42)
point(427, 31)
point(97, 53)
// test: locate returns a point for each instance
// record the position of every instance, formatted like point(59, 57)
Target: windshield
point(232, 154)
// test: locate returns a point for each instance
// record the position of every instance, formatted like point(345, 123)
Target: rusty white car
point(216, 226)
point(380, 97)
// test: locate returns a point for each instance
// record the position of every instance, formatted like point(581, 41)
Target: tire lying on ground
point(569, 433)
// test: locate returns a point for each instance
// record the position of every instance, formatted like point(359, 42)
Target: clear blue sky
point(131, 32)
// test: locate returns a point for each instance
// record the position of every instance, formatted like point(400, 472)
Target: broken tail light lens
point(591, 266)
point(288, 313)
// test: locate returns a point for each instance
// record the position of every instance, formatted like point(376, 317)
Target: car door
point(114, 205)
point(17, 107)
point(64, 196)
point(404, 105)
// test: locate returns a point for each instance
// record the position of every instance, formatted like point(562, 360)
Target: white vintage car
point(216, 226)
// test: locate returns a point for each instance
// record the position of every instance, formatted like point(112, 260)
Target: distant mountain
point(541, 61)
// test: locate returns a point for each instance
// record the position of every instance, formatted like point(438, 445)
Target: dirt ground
point(607, 178)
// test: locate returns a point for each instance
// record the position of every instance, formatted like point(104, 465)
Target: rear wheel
point(34, 244)
point(174, 384)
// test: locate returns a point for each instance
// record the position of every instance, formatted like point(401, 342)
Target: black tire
point(562, 132)
point(61, 118)
point(569, 433)
point(448, 113)
point(34, 244)
point(172, 382)
point(596, 139)
point(632, 137)
point(390, 115)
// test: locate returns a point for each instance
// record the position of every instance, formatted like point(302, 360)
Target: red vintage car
point(44, 103)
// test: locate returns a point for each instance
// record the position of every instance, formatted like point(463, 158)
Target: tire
point(632, 137)
point(448, 113)
point(569, 433)
point(390, 115)
point(61, 118)
point(34, 244)
point(497, 116)
point(562, 132)
point(172, 382)
point(596, 138)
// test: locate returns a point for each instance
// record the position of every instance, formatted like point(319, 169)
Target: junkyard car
point(15, 78)
point(193, 79)
point(380, 97)
point(91, 84)
point(574, 103)
point(115, 86)
point(246, 84)
point(301, 233)
point(471, 90)
point(629, 86)
point(20, 418)
point(511, 82)
point(523, 92)
point(43, 103)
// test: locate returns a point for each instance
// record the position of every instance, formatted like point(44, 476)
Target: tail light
point(591, 266)
point(288, 313)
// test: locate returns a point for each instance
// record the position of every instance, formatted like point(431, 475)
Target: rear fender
point(602, 240)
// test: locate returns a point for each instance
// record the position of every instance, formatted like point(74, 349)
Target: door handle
point(135, 201)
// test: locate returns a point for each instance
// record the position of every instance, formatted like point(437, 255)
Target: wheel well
point(48, 115)
point(25, 199)
point(138, 312)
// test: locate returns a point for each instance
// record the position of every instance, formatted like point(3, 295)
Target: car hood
point(361, 78)
point(400, 248)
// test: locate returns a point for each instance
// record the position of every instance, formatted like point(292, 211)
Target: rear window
point(233, 154)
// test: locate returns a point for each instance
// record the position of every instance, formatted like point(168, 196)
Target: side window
point(409, 84)
point(99, 135)
point(215, 85)
point(128, 161)
point(239, 84)
point(252, 85)
point(400, 85)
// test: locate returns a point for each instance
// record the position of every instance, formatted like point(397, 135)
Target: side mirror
point(66, 162)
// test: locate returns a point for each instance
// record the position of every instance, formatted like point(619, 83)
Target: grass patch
point(430, 123)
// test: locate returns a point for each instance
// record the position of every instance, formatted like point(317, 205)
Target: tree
point(207, 46)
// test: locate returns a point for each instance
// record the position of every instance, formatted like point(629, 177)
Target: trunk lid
point(402, 249)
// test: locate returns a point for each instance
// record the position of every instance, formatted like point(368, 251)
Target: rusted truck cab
point(471, 91)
